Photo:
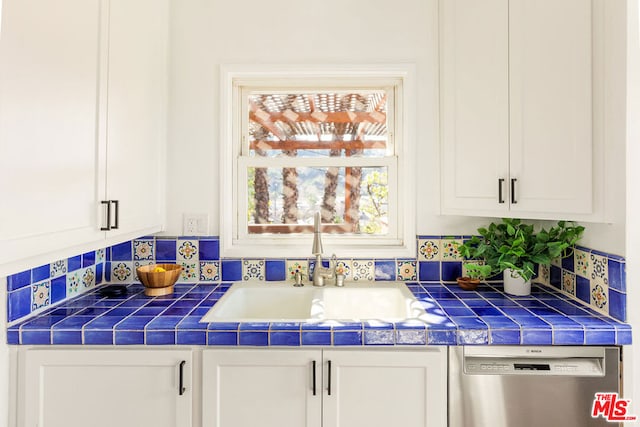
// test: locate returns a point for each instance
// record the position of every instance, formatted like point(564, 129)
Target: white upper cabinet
point(50, 184)
point(83, 94)
point(516, 104)
point(474, 104)
point(550, 106)
point(136, 111)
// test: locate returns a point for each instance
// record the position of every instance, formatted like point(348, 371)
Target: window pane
point(318, 124)
point(352, 200)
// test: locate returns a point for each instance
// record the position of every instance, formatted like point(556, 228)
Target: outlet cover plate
point(195, 224)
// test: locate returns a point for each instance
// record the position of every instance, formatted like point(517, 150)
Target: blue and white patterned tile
point(143, 249)
point(100, 256)
point(407, 270)
point(122, 272)
point(569, 282)
point(582, 263)
point(58, 268)
point(294, 266)
point(209, 271)
point(253, 269)
point(544, 274)
point(344, 266)
point(137, 264)
point(187, 250)
point(190, 271)
point(449, 249)
point(40, 295)
point(88, 277)
point(74, 284)
point(600, 297)
point(599, 269)
point(363, 270)
point(429, 250)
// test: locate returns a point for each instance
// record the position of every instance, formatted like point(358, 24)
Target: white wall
point(208, 33)
point(632, 353)
point(4, 356)
point(611, 127)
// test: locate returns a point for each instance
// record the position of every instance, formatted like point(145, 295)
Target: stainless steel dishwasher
point(529, 386)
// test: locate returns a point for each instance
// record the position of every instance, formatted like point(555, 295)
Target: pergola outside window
point(329, 125)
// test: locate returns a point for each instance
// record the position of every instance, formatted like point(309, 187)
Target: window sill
point(302, 250)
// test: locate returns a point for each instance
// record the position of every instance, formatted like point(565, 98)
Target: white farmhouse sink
point(281, 301)
point(389, 302)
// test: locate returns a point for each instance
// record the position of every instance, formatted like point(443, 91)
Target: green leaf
point(555, 252)
point(541, 259)
point(542, 237)
point(511, 230)
point(539, 247)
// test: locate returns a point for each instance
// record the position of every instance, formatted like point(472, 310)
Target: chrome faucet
point(321, 273)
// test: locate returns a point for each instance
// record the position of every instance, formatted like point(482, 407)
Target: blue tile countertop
point(456, 317)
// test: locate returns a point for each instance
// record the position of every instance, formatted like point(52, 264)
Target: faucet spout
point(316, 249)
point(320, 273)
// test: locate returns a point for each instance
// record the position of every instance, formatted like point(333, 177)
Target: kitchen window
point(299, 142)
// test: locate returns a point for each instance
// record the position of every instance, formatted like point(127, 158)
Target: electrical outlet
point(195, 225)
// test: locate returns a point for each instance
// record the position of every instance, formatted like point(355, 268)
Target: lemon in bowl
point(158, 279)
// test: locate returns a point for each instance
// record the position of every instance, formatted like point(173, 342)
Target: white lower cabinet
point(104, 388)
point(386, 388)
point(141, 387)
point(346, 388)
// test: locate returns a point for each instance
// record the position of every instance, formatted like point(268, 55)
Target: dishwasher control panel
point(501, 366)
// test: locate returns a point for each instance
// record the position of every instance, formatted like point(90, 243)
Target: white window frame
point(234, 238)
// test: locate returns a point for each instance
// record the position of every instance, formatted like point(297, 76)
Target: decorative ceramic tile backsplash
point(33, 290)
point(594, 278)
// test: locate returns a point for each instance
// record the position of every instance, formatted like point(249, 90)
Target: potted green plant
point(474, 273)
point(515, 248)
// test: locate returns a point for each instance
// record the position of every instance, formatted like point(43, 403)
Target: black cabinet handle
point(500, 182)
point(513, 191)
point(313, 369)
point(117, 216)
point(329, 379)
point(108, 227)
point(181, 388)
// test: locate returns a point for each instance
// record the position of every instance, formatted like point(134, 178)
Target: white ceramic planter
point(515, 285)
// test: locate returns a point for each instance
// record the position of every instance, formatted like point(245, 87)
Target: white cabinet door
point(83, 95)
point(136, 111)
point(550, 51)
point(385, 388)
point(474, 105)
point(50, 183)
point(516, 103)
point(105, 388)
point(266, 388)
